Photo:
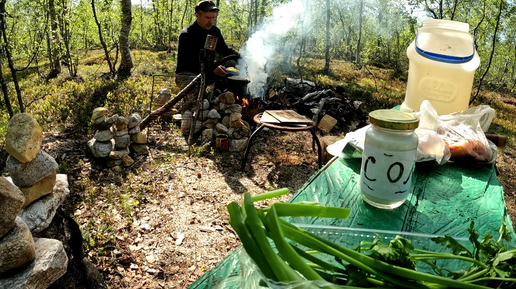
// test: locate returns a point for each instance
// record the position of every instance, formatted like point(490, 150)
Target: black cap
point(206, 6)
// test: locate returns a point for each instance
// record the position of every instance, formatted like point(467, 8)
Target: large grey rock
point(237, 145)
point(99, 120)
point(134, 120)
point(39, 214)
point(233, 108)
point(122, 141)
point(100, 149)
point(48, 266)
point(23, 138)
point(112, 119)
point(11, 202)
point(103, 135)
point(16, 248)
point(135, 130)
point(221, 128)
point(214, 114)
point(27, 174)
point(211, 123)
point(121, 132)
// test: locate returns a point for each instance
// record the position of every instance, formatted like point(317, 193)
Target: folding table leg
point(319, 152)
point(249, 143)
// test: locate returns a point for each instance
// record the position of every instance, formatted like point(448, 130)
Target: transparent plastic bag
point(458, 137)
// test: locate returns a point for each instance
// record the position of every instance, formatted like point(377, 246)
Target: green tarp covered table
point(444, 201)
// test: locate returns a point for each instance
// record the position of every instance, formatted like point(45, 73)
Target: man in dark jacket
point(192, 39)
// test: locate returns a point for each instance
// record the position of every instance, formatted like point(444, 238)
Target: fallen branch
point(167, 106)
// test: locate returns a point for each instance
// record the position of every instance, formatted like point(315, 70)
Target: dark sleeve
point(187, 57)
point(222, 48)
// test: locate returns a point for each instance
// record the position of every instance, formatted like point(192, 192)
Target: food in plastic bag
point(457, 137)
point(469, 150)
point(462, 132)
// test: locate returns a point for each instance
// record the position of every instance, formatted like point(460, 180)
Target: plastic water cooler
point(442, 64)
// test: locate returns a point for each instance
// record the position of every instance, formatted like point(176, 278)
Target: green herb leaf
point(505, 233)
point(452, 244)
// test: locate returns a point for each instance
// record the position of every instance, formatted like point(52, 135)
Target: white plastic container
point(442, 64)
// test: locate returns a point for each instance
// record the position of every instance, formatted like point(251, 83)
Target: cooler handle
point(442, 57)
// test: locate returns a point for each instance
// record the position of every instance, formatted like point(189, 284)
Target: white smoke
point(258, 52)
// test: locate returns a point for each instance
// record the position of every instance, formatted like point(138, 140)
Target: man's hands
point(220, 71)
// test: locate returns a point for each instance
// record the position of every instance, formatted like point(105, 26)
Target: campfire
point(226, 119)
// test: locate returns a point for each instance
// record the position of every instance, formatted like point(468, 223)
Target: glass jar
point(388, 159)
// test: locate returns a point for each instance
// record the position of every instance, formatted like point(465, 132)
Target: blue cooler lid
point(445, 45)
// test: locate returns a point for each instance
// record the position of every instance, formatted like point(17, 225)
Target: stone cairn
point(116, 136)
point(221, 117)
point(29, 199)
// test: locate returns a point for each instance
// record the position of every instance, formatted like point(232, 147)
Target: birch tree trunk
point(55, 64)
point(126, 62)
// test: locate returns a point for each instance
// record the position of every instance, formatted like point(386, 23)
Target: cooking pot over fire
point(238, 85)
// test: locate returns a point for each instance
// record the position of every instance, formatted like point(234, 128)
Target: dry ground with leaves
point(162, 223)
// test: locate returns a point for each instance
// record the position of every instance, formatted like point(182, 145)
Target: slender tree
point(3, 83)
point(328, 44)
point(66, 35)
point(187, 4)
point(7, 50)
point(360, 16)
point(170, 21)
point(5, 91)
point(126, 62)
point(262, 11)
point(55, 44)
point(500, 9)
point(102, 42)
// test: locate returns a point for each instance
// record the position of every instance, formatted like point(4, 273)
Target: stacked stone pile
point(16, 243)
point(26, 196)
point(102, 143)
point(221, 117)
point(162, 98)
point(138, 138)
point(115, 136)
